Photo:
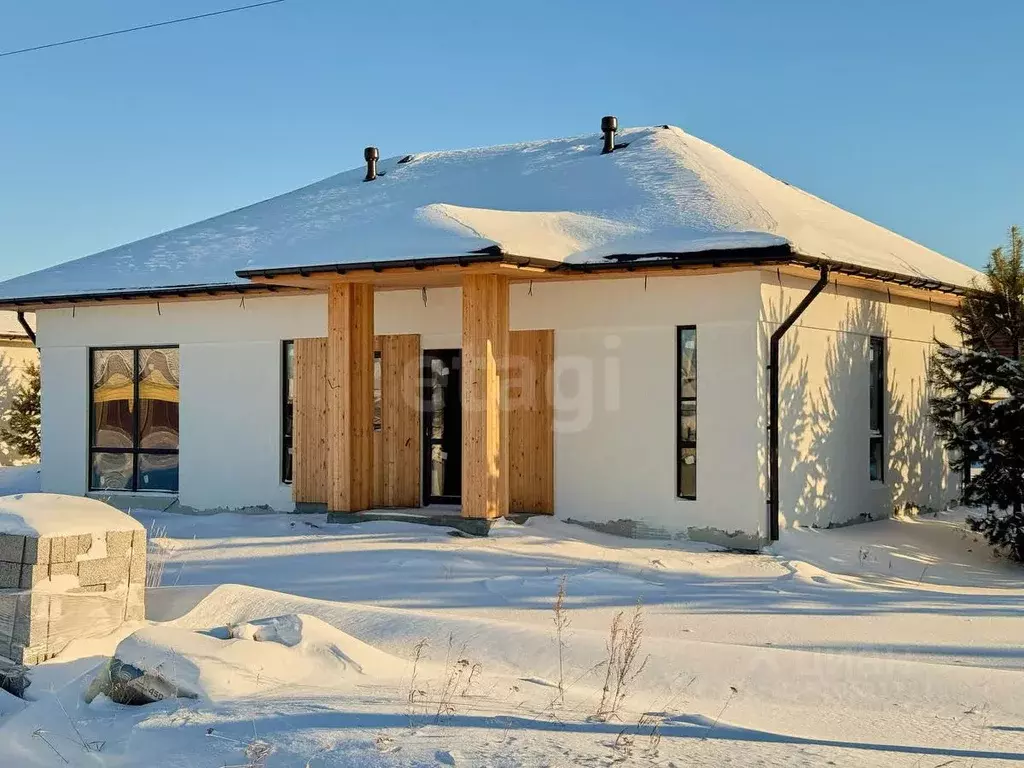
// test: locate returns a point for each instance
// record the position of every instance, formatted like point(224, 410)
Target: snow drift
point(238, 661)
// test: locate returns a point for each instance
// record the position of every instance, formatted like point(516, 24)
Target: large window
point(134, 419)
point(876, 440)
point(287, 410)
point(686, 412)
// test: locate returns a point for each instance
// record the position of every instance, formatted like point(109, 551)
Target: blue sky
point(912, 119)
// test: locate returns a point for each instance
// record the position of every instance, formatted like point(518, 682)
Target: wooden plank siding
point(309, 473)
point(531, 482)
point(397, 471)
point(396, 446)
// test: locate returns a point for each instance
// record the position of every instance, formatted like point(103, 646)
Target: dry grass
point(457, 668)
point(156, 555)
point(562, 623)
point(623, 663)
point(733, 691)
point(415, 693)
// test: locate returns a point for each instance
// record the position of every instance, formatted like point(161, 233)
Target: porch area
point(385, 429)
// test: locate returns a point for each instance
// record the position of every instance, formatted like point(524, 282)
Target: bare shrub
point(414, 692)
point(456, 669)
point(474, 673)
point(156, 555)
point(653, 722)
point(623, 663)
point(562, 623)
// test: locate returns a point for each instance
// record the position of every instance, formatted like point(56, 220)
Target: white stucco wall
point(64, 426)
point(824, 426)
point(230, 412)
point(615, 390)
point(615, 394)
point(615, 399)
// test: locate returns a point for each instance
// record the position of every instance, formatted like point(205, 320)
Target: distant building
point(17, 351)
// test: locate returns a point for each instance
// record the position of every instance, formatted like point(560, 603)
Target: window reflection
point(134, 404)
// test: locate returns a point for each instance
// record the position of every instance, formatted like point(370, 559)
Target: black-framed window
point(378, 401)
point(876, 439)
point(287, 409)
point(686, 412)
point(133, 419)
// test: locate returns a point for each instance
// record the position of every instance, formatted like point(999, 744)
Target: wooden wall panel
point(349, 397)
point(484, 396)
point(309, 471)
point(531, 422)
point(398, 473)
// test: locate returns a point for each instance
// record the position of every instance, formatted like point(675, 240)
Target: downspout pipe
point(28, 328)
point(773, 401)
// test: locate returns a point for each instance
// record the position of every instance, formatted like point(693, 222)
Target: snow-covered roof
point(557, 201)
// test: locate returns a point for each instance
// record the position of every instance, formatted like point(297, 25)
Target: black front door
point(442, 426)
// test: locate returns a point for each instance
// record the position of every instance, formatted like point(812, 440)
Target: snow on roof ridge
point(553, 199)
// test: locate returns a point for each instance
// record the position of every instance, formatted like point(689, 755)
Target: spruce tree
point(991, 316)
point(22, 430)
point(977, 403)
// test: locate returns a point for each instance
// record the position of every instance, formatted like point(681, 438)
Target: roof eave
point(754, 257)
point(487, 256)
point(29, 303)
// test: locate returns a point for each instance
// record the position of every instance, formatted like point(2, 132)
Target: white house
point(546, 327)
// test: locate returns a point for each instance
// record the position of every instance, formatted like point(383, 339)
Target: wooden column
point(349, 397)
point(485, 343)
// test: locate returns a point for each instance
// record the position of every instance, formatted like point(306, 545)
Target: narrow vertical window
point(287, 410)
point(686, 412)
point(134, 419)
point(876, 439)
point(377, 393)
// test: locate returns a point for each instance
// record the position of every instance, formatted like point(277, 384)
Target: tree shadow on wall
point(823, 424)
point(917, 477)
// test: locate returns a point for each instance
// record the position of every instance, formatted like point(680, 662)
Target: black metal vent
point(371, 155)
point(609, 125)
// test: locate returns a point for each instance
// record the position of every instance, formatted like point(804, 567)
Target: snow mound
point(314, 637)
point(254, 658)
point(52, 514)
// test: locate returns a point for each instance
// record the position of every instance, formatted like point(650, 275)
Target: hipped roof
point(558, 202)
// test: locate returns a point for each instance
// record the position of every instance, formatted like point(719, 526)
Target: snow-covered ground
point(895, 643)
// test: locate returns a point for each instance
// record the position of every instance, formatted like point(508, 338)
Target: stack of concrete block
point(55, 588)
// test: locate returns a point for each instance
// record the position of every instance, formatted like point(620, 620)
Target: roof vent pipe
point(371, 155)
point(609, 125)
